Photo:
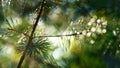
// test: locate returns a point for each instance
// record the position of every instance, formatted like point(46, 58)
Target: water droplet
point(93, 29)
point(114, 33)
point(92, 41)
point(98, 21)
point(104, 31)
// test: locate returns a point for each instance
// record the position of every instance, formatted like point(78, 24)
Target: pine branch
point(73, 34)
point(19, 32)
point(31, 36)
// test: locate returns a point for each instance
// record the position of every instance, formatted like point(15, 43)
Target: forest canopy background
point(69, 34)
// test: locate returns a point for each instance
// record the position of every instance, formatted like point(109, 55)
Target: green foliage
point(39, 47)
point(105, 7)
point(81, 60)
point(98, 45)
point(1, 13)
point(40, 50)
point(7, 62)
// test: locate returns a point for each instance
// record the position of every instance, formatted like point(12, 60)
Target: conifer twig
point(31, 35)
point(19, 32)
point(60, 35)
point(72, 34)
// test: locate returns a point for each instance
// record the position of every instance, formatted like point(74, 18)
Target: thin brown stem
point(31, 35)
point(18, 32)
point(73, 34)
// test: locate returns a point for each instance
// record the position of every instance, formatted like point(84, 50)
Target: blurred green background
point(97, 46)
